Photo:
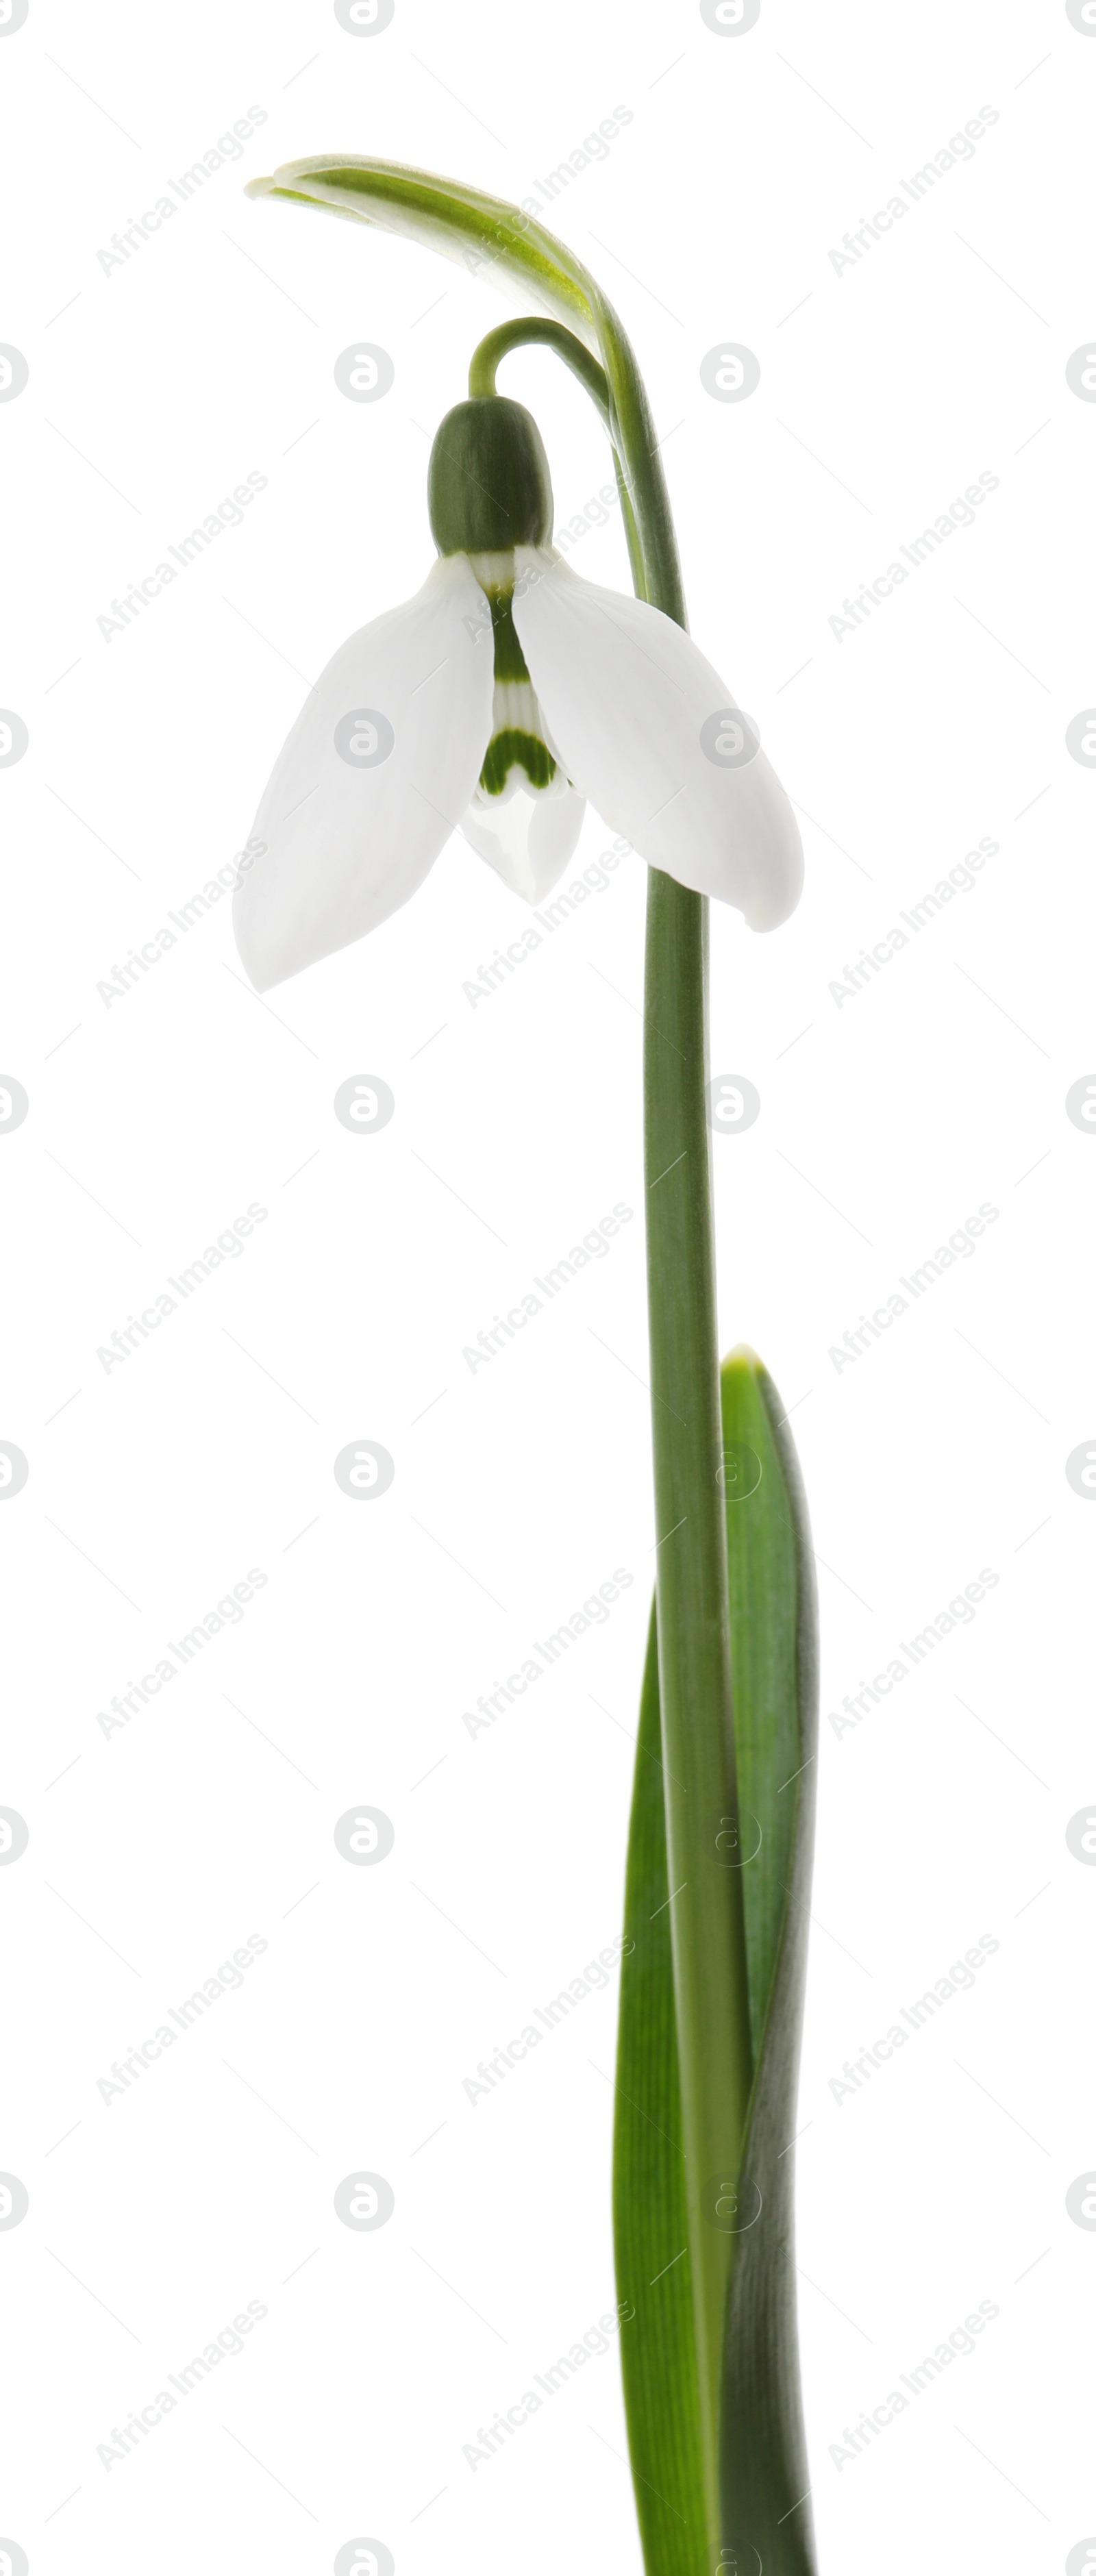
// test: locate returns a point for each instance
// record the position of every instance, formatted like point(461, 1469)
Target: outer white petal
point(346, 844)
point(626, 694)
point(526, 837)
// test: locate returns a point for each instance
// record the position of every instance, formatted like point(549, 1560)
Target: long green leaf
point(657, 2345)
point(765, 2511)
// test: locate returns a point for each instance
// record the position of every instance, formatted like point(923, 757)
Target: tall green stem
point(694, 1667)
point(711, 1990)
point(708, 1940)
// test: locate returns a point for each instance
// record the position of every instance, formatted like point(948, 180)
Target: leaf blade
point(765, 2481)
point(773, 1652)
point(657, 2344)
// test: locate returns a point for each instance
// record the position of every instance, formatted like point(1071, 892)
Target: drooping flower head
point(495, 702)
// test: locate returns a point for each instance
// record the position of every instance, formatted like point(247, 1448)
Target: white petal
point(347, 843)
point(527, 836)
point(627, 693)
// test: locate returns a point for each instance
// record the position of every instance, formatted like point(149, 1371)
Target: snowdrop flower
point(496, 701)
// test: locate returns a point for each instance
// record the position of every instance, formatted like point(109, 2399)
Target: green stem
point(711, 1991)
point(531, 331)
point(694, 1667)
point(709, 1941)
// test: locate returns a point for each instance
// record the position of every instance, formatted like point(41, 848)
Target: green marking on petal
point(510, 662)
point(515, 742)
point(513, 750)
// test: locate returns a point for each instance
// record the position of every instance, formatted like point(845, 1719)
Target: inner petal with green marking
point(518, 733)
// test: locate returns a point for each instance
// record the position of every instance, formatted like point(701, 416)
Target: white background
point(885, 390)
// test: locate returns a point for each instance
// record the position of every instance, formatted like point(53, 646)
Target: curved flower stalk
point(498, 699)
